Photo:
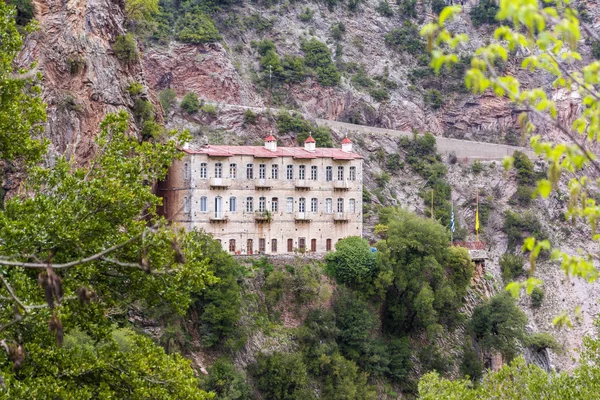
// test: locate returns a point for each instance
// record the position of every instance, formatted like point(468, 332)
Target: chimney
point(310, 143)
point(271, 143)
point(346, 145)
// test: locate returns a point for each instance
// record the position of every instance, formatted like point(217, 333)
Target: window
point(232, 171)
point(203, 170)
point(249, 171)
point(313, 172)
point(262, 204)
point(186, 204)
point(352, 206)
point(340, 173)
point(290, 245)
point(232, 245)
point(249, 243)
point(203, 204)
point(274, 171)
point(328, 174)
point(218, 170)
point(301, 172)
point(352, 176)
point(273, 245)
point(328, 206)
point(301, 243)
point(314, 204)
point(290, 205)
point(249, 204)
point(232, 204)
point(186, 172)
point(262, 245)
point(340, 205)
point(290, 172)
point(262, 171)
point(274, 204)
point(328, 245)
point(302, 205)
point(313, 245)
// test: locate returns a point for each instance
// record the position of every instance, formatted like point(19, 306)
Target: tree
point(190, 103)
point(141, 15)
point(125, 48)
point(352, 263)
point(196, 27)
point(281, 376)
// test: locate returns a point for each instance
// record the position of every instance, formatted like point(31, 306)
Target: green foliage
point(258, 23)
point(291, 122)
point(190, 103)
point(281, 376)
point(427, 278)
point(352, 262)
point(484, 13)
point(537, 296)
point(306, 15)
point(141, 15)
point(379, 94)
point(250, 117)
point(318, 57)
point(541, 341)
point(524, 167)
point(477, 167)
point(433, 98)
point(337, 31)
point(135, 89)
point(196, 27)
point(167, 99)
point(523, 195)
point(274, 288)
point(431, 359)
point(394, 163)
point(384, 9)
point(437, 6)
point(516, 225)
point(596, 50)
point(151, 130)
point(405, 39)
point(125, 48)
point(76, 64)
point(208, 109)
point(471, 365)
point(499, 324)
point(362, 79)
point(382, 179)
point(511, 266)
point(226, 381)
point(24, 9)
point(143, 111)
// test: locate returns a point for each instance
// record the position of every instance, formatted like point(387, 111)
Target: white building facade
point(268, 199)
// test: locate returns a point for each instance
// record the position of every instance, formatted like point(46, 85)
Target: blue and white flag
point(452, 219)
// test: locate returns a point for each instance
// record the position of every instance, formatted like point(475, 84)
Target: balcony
point(341, 217)
point(219, 183)
point(218, 217)
point(302, 184)
point(341, 185)
point(302, 217)
point(262, 216)
point(263, 184)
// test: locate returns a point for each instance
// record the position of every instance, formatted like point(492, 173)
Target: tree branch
point(137, 266)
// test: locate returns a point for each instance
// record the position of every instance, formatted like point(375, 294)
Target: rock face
point(82, 79)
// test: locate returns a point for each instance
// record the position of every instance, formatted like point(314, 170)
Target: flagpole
point(477, 218)
point(452, 226)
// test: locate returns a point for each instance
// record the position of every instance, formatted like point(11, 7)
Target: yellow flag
point(477, 219)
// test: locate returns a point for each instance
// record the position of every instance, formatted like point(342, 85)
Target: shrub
point(167, 99)
point(433, 98)
point(190, 103)
point(209, 109)
point(274, 288)
point(382, 179)
point(384, 9)
point(257, 22)
point(338, 30)
point(352, 262)
point(379, 94)
point(393, 163)
point(196, 27)
point(318, 56)
point(523, 195)
point(540, 341)
point(515, 225)
point(484, 13)
point(477, 167)
point(354, 320)
point(537, 297)
point(226, 381)
point(596, 50)
point(143, 111)
point(452, 159)
point(250, 117)
point(24, 11)
point(524, 167)
point(125, 48)
point(151, 130)
point(431, 359)
point(287, 122)
point(437, 6)
point(511, 266)
point(307, 15)
point(135, 88)
point(407, 8)
point(471, 365)
point(281, 376)
point(362, 79)
point(75, 64)
point(405, 39)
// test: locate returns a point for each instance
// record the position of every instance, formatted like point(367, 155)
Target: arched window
point(328, 206)
point(232, 204)
point(328, 245)
point(290, 172)
point(352, 206)
point(186, 204)
point(340, 174)
point(313, 172)
point(249, 171)
point(262, 204)
point(203, 170)
point(249, 204)
point(340, 205)
point(275, 171)
point(262, 171)
point(274, 204)
point(203, 204)
point(329, 174)
point(302, 172)
point(218, 170)
point(352, 176)
point(314, 204)
point(302, 205)
point(289, 205)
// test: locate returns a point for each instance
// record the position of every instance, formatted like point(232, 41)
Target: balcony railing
point(303, 217)
point(341, 185)
point(218, 216)
point(262, 216)
point(219, 182)
point(263, 184)
point(302, 184)
point(341, 217)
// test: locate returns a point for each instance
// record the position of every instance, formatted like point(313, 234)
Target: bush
point(525, 169)
point(433, 98)
point(596, 50)
point(135, 88)
point(431, 359)
point(379, 94)
point(477, 167)
point(125, 48)
point(318, 56)
point(287, 123)
point(408, 8)
point(499, 324)
point(540, 341)
point(257, 22)
point(151, 130)
point(24, 11)
point(537, 297)
point(384, 9)
point(471, 365)
point(406, 39)
point(524, 195)
point(75, 64)
point(250, 117)
point(190, 103)
point(352, 262)
point(511, 266)
point(338, 30)
point(143, 111)
point(167, 99)
point(354, 321)
point(516, 225)
point(484, 13)
point(281, 376)
point(362, 79)
point(196, 27)
point(437, 6)
point(307, 15)
point(274, 287)
point(209, 109)
point(224, 380)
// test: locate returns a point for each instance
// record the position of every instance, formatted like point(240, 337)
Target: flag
point(477, 219)
point(452, 219)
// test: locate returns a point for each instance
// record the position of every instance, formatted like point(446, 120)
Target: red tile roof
point(310, 140)
point(270, 138)
point(261, 152)
point(346, 140)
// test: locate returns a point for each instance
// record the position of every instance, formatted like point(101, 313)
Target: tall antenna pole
point(477, 217)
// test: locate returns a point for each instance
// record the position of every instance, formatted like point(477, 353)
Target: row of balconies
point(268, 184)
point(265, 217)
